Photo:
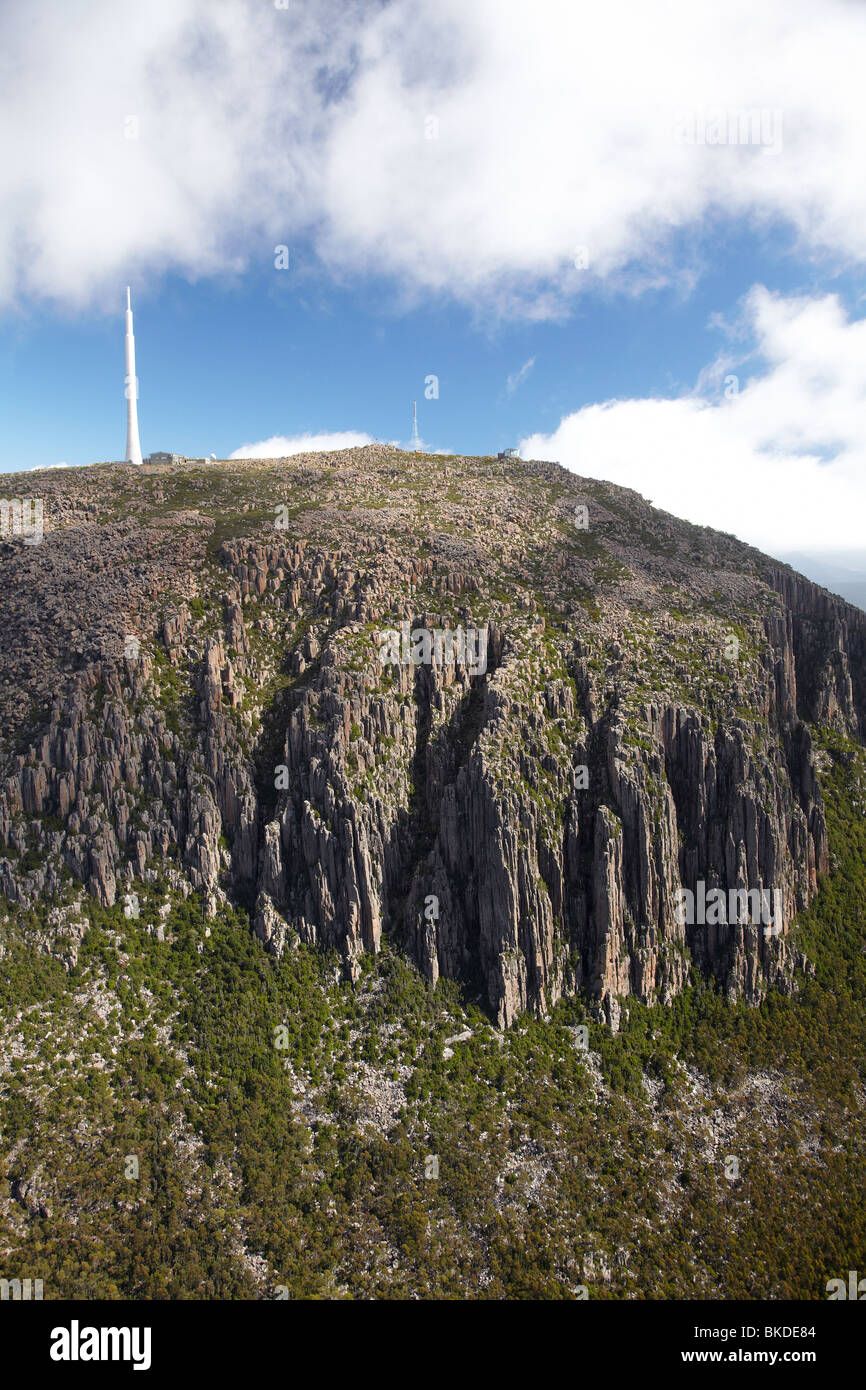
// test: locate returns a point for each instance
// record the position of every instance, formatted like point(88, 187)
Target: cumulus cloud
point(280, 446)
point(507, 155)
point(48, 467)
point(171, 136)
point(778, 457)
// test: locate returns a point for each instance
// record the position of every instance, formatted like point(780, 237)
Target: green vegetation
point(165, 1050)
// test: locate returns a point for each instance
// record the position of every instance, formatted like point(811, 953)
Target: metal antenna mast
point(133, 445)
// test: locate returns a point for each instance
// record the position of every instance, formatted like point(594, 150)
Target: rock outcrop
point(217, 713)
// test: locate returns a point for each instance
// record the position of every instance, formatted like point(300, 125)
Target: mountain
point(673, 664)
point(418, 760)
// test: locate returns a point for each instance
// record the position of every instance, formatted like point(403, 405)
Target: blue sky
point(435, 174)
point(287, 352)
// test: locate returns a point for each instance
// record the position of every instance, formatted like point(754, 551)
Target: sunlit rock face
point(502, 714)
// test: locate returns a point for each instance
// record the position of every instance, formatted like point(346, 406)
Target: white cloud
point(556, 129)
point(219, 97)
point(517, 378)
point(280, 446)
point(781, 463)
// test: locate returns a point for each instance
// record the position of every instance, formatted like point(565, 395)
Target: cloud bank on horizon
point(281, 446)
point(777, 458)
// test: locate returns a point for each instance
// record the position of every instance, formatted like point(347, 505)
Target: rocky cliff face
point(195, 696)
